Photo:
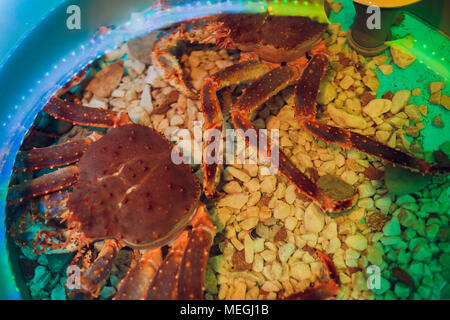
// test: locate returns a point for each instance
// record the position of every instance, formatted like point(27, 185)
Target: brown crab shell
point(130, 189)
point(273, 38)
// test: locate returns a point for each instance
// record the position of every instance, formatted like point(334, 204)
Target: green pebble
point(392, 255)
point(401, 290)
point(58, 262)
point(210, 281)
point(388, 241)
point(414, 242)
point(444, 246)
point(114, 280)
point(29, 254)
point(58, 293)
point(424, 292)
point(41, 277)
point(420, 227)
point(445, 292)
point(403, 257)
point(445, 148)
point(421, 252)
point(409, 234)
point(428, 281)
point(416, 268)
point(422, 214)
point(214, 263)
point(400, 181)
point(435, 266)
point(407, 198)
point(107, 292)
point(390, 295)
point(42, 260)
point(384, 286)
point(444, 259)
point(392, 228)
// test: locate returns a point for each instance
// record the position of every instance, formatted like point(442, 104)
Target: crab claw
point(93, 279)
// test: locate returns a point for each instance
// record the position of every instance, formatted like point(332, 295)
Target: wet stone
point(336, 188)
point(401, 181)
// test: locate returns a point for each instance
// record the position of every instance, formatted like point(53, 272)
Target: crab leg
point(165, 284)
point(212, 111)
point(136, 283)
point(325, 290)
point(50, 182)
point(305, 111)
point(85, 116)
point(191, 278)
point(93, 279)
point(54, 156)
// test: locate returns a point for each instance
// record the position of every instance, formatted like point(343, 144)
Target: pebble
point(366, 190)
point(401, 181)
point(400, 100)
point(334, 187)
point(286, 251)
point(268, 184)
point(300, 271)
point(282, 210)
point(392, 228)
point(390, 240)
point(377, 107)
point(107, 292)
point(58, 293)
point(357, 242)
point(146, 99)
point(314, 218)
point(402, 58)
point(140, 116)
point(374, 256)
point(235, 201)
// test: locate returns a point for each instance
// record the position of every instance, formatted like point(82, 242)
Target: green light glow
point(423, 54)
point(314, 10)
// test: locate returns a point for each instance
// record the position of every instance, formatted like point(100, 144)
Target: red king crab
point(126, 189)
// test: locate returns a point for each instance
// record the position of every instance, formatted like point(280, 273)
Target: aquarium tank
point(225, 150)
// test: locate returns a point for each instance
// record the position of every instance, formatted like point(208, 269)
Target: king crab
point(118, 194)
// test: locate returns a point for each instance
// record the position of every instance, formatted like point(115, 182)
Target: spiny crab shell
point(130, 189)
point(274, 39)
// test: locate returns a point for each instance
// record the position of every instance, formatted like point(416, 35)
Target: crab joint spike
point(51, 182)
point(54, 156)
point(136, 283)
point(85, 116)
point(192, 271)
point(165, 284)
point(93, 279)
